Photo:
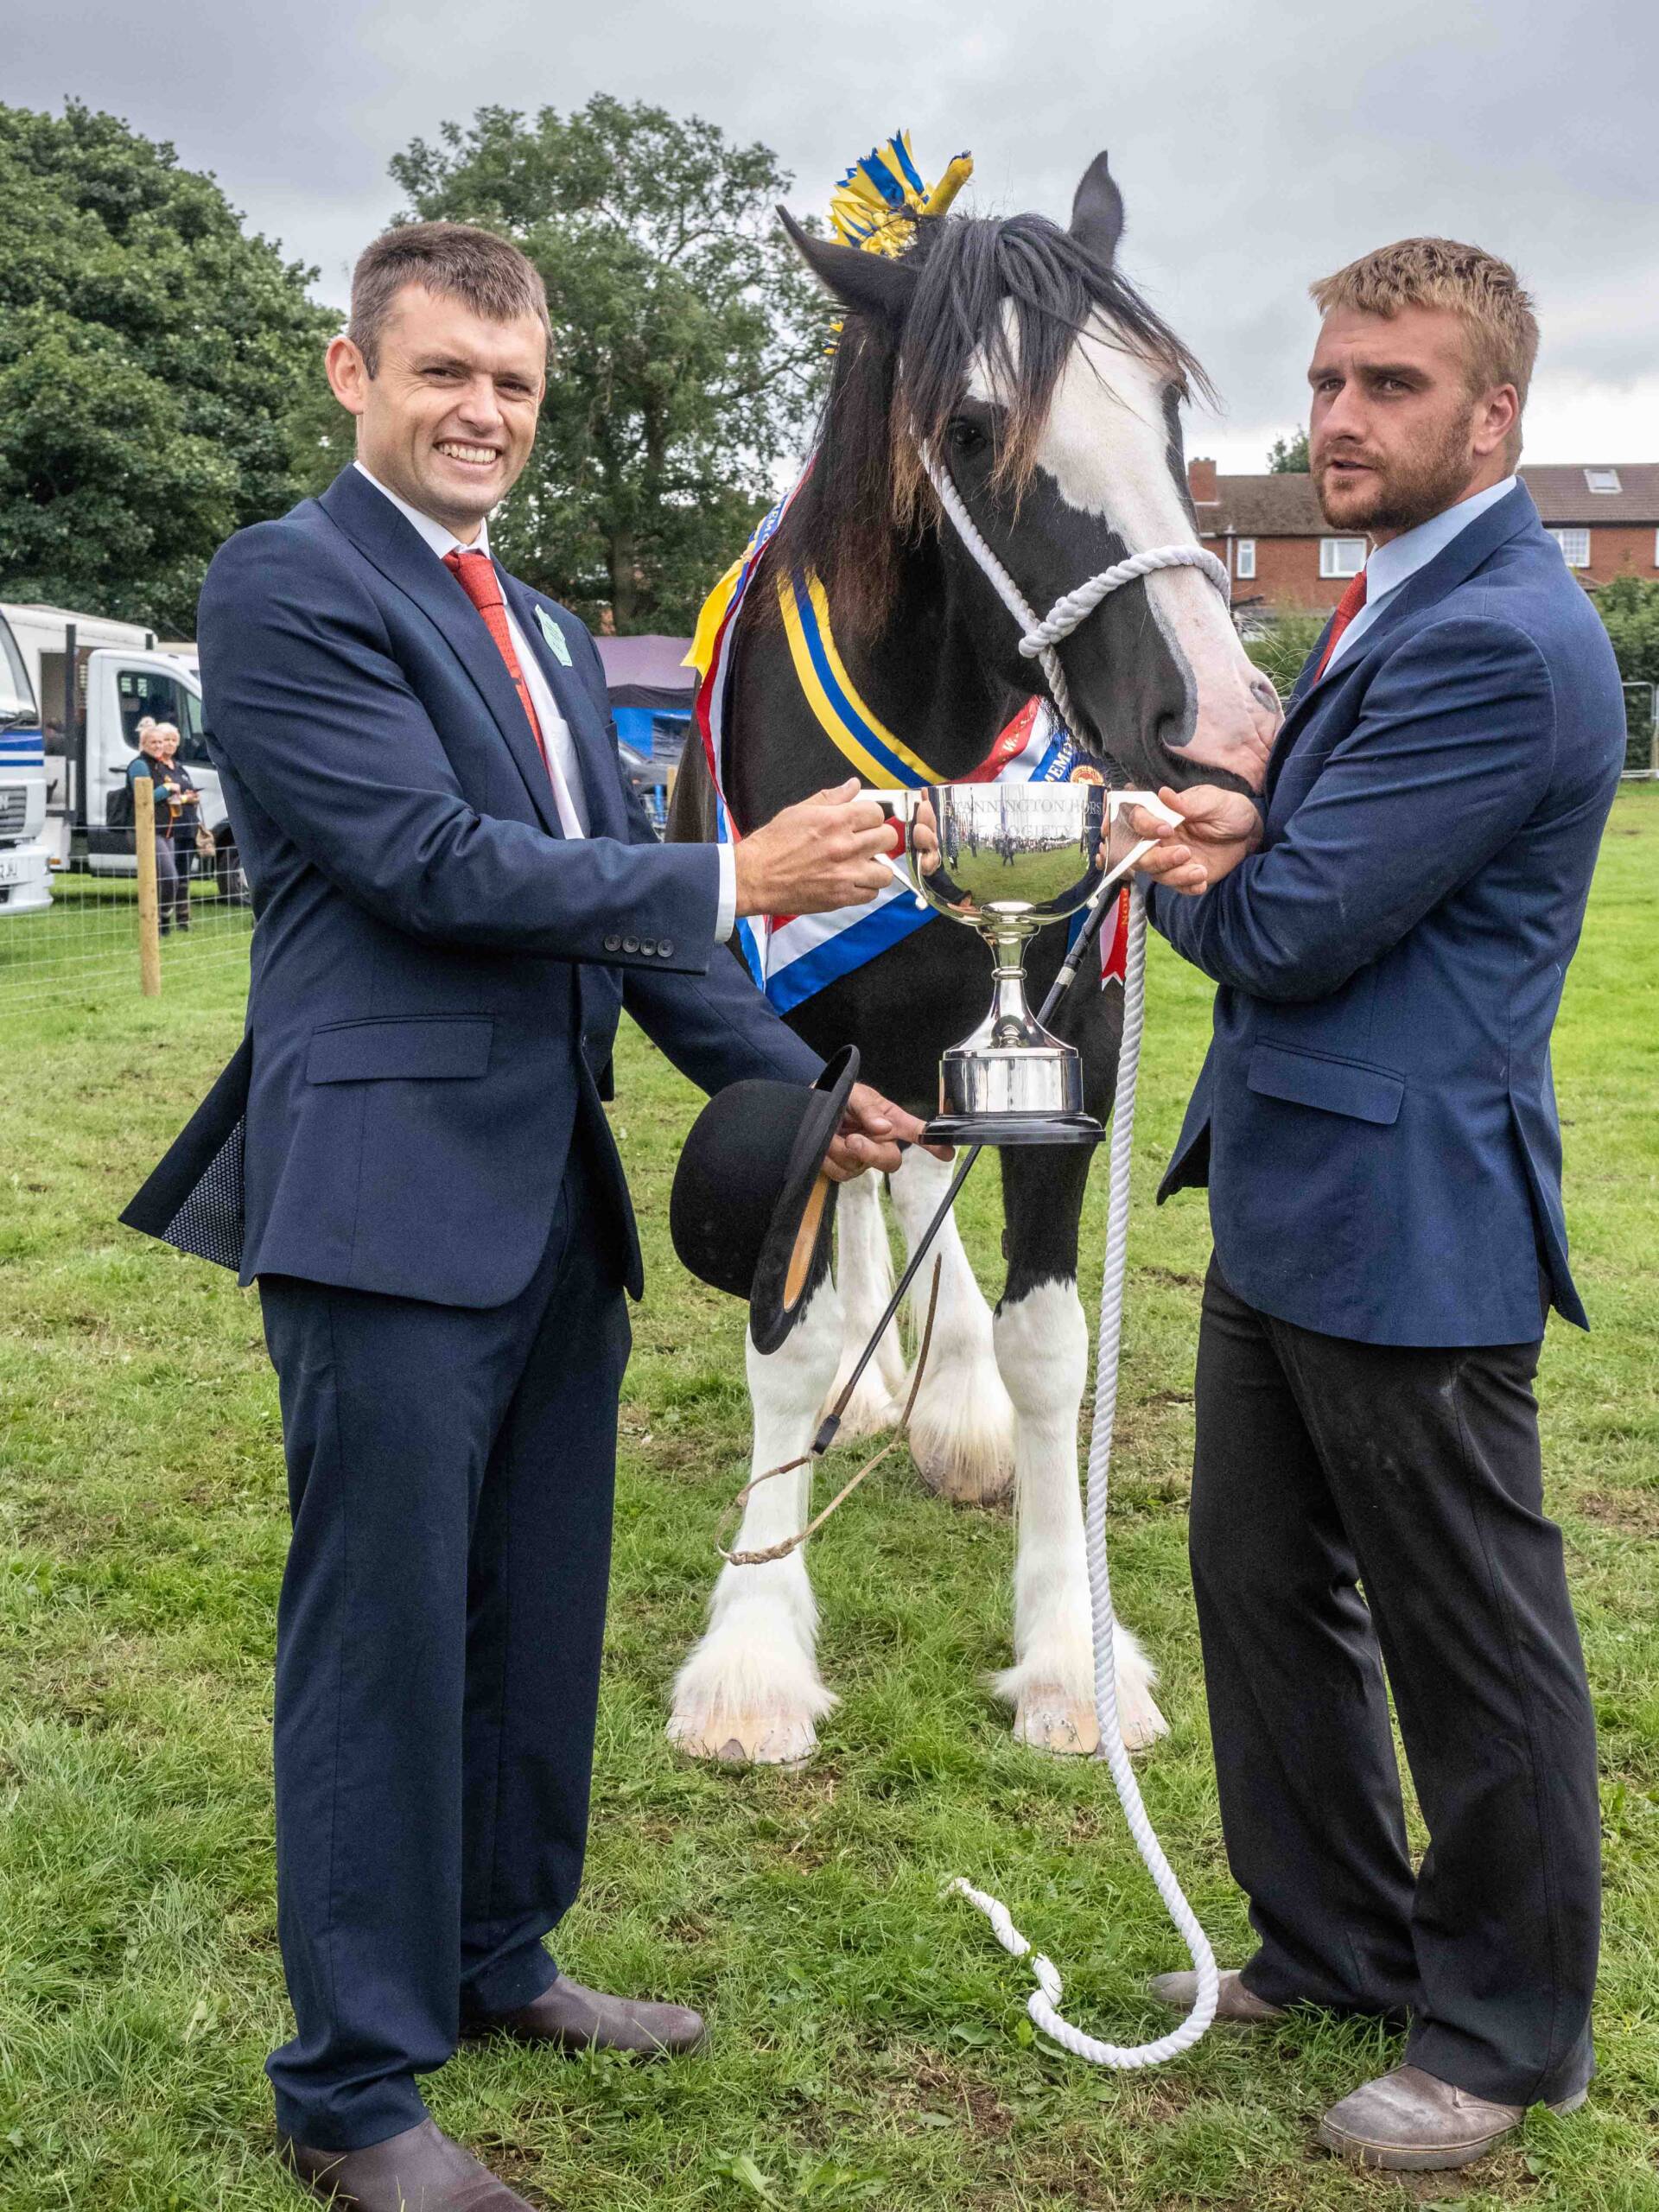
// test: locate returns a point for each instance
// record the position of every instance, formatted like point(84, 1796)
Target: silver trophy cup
point(1011, 859)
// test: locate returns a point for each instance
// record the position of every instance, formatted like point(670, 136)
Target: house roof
point(1284, 506)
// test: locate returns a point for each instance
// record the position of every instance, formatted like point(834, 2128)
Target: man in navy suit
point(457, 895)
point(1390, 927)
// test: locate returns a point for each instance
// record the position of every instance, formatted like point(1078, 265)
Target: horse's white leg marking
point(1042, 1349)
point(864, 1278)
point(962, 1430)
point(750, 1690)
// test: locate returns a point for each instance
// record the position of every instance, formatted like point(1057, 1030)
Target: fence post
point(144, 839)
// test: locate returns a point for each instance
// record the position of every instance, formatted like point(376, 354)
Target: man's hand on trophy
point(872, 1130)
point(825, 852)
point(1216, 830)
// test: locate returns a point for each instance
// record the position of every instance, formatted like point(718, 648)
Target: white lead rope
point(1040, 642)
point(1044, 2002)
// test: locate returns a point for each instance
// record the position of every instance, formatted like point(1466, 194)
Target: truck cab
point(25, 879)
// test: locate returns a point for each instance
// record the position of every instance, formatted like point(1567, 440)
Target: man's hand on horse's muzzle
point(825, 852)
point(872, 1130)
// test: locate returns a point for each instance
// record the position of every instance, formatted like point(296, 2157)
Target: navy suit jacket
point(437, 972)
point(1376, 1119)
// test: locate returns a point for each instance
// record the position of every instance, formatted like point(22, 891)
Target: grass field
point(869, 2043)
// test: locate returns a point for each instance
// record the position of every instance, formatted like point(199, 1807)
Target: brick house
point(1280, 553)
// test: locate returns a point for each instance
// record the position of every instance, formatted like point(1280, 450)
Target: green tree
point(1288, 456)
point(150, 351)
point(688, 342)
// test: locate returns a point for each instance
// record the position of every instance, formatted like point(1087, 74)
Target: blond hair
point(1485, 293)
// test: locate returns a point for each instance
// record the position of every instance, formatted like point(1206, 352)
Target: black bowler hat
point(751, 1204)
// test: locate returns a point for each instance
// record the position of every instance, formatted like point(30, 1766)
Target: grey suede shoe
point(1412, 2123)
point(574, 2018)
point(1179, 1991)
point(420, 2171)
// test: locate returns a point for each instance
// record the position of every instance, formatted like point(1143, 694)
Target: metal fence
point(1642, 730)
point(87, 940)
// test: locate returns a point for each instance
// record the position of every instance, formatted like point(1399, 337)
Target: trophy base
point(1014, 1128)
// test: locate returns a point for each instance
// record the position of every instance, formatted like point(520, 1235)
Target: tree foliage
point(1288, 456)
point(688, 342)
point(150, 351)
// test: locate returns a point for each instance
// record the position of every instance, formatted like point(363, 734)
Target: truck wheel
point(227, 874)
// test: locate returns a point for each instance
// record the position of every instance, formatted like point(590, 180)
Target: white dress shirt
point(1392, 564)
point(564, 765)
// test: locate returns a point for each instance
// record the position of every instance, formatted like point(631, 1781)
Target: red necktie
point(1347, 606)
point(475, 573)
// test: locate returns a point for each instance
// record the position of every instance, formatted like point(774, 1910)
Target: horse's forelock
point(1013, 295)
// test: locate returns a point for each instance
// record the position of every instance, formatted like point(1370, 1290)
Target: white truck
point(122, 674)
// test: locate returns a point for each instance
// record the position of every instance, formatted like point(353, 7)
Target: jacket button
point(666, 949)
point(647, 944)
point(630, 944)
point(613, 944)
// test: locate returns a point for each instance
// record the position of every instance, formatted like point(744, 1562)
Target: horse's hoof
point(1053, 1722)
point(969, 1470)
point(1141, 1722)
point(753, 1739)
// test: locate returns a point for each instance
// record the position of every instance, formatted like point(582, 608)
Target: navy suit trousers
point(450, 1479)
point(1323, 1465)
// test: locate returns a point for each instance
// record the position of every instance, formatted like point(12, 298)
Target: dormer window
point(1601, 479)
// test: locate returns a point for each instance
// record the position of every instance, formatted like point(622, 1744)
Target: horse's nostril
point(1171, 732)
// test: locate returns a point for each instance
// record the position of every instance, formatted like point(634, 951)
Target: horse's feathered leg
point(961, 1429)
point(864, 1278)
point(750, 1691)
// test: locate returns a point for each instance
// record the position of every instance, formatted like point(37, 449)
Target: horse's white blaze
point(961, 1429)
point(1105, 446)
point(1042, 1347)
point(750, 1689)
point(864, 1277)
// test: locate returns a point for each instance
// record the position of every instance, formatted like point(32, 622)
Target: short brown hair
point(1496, 309)
point(457, 261)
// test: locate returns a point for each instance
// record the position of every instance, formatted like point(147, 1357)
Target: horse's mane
point(866, 494)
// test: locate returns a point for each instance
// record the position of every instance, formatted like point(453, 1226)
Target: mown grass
point(870, 2046)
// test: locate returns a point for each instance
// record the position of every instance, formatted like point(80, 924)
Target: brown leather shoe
point(574, 2018)
point(1410, 2122)
point(420, 2171)
point(1234, 2002)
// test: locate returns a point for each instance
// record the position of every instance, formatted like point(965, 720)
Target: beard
point(1399, 493)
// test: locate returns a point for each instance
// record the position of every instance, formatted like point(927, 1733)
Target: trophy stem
point(1012, 1082)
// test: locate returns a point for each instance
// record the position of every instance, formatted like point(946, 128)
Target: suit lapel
point(582, 718)
point(383, 536)
point(1452, 565)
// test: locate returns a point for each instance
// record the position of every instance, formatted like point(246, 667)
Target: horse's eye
point(966, 438)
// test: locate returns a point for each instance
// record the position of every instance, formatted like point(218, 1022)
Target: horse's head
point(1015, 353)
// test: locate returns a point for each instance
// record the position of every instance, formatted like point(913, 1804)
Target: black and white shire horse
point(1051, 393)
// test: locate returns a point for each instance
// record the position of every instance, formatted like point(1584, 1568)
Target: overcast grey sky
point(1258, 145)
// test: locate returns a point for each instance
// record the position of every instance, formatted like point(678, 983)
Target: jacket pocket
point(1355, 1088)
point(433, 1046)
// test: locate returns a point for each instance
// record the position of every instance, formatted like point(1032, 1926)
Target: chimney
point(1201, 483)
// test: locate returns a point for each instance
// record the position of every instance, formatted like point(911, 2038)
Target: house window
point(1341, 556)
point(1575, 547)
point(1602, 480)
point(1244, 560)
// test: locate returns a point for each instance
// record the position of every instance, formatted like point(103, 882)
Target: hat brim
point(801, 1220)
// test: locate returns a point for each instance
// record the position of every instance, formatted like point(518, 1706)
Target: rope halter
point(1042, 634)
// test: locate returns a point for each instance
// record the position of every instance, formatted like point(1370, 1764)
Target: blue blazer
point(1376, 1119)
point(437, 973)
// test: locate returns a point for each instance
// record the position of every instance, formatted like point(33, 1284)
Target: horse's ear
point(866, 283)
point(1097, 212)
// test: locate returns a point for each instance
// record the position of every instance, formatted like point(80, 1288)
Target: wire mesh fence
point(87, 939)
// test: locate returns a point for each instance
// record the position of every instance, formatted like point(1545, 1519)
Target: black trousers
point(1323, 1463)
point(450, 1476)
